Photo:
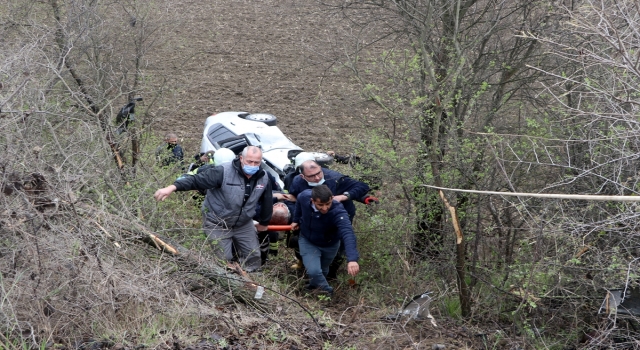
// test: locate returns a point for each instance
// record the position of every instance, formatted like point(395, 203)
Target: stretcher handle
point(279, 228)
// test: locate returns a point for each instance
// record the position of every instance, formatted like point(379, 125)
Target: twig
point(14, 93)
point(276, 292)
point(107, 234)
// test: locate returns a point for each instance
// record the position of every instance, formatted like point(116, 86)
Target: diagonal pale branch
point(589, 197)
point(454, 217)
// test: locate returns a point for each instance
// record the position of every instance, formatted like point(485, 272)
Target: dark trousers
point(292, 242)
point(268, 244)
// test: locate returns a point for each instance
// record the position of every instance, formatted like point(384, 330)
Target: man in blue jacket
point(345, 190)
point(233, 191)
point(324, 224)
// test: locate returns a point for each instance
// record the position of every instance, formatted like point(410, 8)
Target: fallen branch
point(106, 233)
point(230, 277)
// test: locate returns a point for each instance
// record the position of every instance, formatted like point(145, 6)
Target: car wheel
point(268, 119)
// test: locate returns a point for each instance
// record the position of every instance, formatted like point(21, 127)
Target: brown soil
point(256, 56)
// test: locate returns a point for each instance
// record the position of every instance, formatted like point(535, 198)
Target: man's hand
point(261, 228)
point(353, 268)
point(289, 197)
point(371, 199)
point(279, 196)
point(164, 193)
point(341, 198)
point(294, 226)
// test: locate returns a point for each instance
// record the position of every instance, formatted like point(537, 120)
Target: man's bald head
point(312, 172)
point(253, 150)
point(309, 167)
point(171, 138)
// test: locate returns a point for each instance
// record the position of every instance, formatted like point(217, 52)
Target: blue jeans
point(317, 260)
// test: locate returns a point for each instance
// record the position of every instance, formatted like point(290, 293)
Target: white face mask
point(314, 184)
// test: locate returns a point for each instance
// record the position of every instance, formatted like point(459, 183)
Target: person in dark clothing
point(269, 240)
point(170, 152)
point(288, 178)
point(345, 190)
point(324, 226)
point(297, 161)
point(233, 191)
point(291, 240)
point(201, 159)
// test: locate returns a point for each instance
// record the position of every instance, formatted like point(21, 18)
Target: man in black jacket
point(170, 152)
point(233, 191)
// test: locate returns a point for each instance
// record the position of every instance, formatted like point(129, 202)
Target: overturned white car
point(236, 130)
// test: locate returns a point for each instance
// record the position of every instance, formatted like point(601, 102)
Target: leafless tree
point(456, 68)
point(67, 219)
point(94, 53)
point(597, 144)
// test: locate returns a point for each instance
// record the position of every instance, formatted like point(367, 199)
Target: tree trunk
point(461, 254)
point(91, 106)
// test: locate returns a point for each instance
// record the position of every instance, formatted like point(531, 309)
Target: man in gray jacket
point(233, 190)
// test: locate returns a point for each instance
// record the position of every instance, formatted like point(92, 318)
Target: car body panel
point(230, 130)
